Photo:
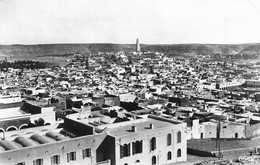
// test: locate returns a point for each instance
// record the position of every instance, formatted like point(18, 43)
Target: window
point(169, 139)
point(137, 147)
point(38, 162)
point(133, 148)
point(125, 150)
point(21, 163)
point(71, 156)
point(179, 137)
point(121, 151)
point(55, 159)
point(179, 153)
point(153, 144)
point(153, 160)
point(86, 153)
point(169, 156)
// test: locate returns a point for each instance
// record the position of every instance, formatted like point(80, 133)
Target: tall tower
point(137, 45)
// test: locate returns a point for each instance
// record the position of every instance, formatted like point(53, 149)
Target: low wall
point(236, 151)
point(223, 152)
point(107, 162)
point(199, 152)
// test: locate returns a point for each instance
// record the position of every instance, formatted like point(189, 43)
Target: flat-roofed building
point(253, 83)
point(51, 146)
point(152, 140)
point(149, 140)
point(20, 117)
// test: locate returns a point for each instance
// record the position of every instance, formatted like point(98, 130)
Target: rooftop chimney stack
point(134, 129)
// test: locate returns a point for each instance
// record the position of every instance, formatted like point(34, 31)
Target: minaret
point(137, 45)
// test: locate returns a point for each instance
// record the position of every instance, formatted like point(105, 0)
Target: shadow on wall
point(106, 150)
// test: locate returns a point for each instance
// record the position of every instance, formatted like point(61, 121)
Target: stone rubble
point(245, 160)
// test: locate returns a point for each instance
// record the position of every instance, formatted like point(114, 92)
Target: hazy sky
point(122, 21)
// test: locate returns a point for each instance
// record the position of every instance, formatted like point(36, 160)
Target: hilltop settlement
point(117, 108)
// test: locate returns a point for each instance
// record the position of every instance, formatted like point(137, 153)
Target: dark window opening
point(55, 159)
point(179, 137)
point(125, 150)
point(38, 162)
point(153, 160)
point(169, 156)
point(137, 147)
point(86, 153)
point(71, 156)
point(169, 139)
point(179, 153)
point(153, 144)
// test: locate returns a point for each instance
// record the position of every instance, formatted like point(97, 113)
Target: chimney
point(151, 126)
point(134, 129)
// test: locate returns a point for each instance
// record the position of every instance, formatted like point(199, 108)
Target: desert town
point(136, 108)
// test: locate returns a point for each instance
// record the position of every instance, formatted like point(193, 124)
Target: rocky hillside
point(195, 49)
point(180, 49)
point(251, 50)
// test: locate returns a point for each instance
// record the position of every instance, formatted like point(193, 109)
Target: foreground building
point(153, 140)
point(149, 140)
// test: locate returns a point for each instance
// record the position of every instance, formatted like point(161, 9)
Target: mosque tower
point(138, 48)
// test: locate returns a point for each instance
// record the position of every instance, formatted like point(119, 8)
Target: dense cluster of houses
point(118, 108)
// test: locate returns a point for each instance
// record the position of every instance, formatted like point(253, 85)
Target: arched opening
point(11, 128)
point(201, 135)
point(236, 135)
point(169, 139)
point(169, 156)
point(137, 162)
point(125, 150)
point(179, 137)
point(179, 153)
point(153, 160)
point(153, 144)
point(2, 130)
point(137, 147)
point(47, 124)
point(23, 126)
